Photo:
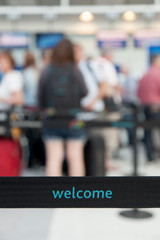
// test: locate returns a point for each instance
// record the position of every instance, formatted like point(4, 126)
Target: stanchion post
point(135, 213)
point(135, 162)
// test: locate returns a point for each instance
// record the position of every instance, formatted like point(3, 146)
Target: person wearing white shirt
point(110, 75)
point(11, 84)
point(114, 91)
point(94, 81)
point(10, 94)
point(30, 76)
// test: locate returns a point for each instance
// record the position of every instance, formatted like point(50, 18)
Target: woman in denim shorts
point(64, 142)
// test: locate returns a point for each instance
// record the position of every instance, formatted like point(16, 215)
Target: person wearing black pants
point(149, 95)
point(151, 113)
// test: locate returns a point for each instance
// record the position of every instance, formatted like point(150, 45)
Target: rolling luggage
point(10, 158)
point(94, 154)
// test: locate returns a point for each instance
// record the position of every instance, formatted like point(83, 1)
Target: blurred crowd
point(68, 80)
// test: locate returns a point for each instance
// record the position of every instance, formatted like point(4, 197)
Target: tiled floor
point(86, 224)
point(76, 224)
point(25, 224)
point(102, 224)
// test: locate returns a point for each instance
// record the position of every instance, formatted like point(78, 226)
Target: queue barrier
point(83, 192)
point(19, 118)
point(137, 192)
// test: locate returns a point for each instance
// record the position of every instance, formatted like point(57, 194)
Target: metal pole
point(135, 160)
point(135, 213)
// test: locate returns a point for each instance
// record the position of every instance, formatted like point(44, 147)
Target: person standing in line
point(106, 63)
point(11, 85)
point(30, 76)
point(130, 86)
point(129, 97)
point(97, 88)
point(62, 87)
point(11, 94)
point(93, 80)
point(113, 94)
point(149, 95)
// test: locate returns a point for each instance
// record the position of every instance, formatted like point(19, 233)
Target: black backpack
point(62, 89)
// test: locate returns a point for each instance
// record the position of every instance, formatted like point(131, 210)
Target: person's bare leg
point(75, 157)
point(54, 157)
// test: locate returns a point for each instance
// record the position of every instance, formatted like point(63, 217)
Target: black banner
point(80, 192)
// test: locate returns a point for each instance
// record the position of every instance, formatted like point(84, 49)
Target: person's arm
point(119, 89)
point(111, 77)
point(101, 83)
point(101, 94)
point(15, 99)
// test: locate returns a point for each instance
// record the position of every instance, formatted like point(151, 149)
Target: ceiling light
point(86, 16)
point(129, 16)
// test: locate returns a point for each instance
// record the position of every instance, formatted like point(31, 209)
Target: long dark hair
point(63, 53)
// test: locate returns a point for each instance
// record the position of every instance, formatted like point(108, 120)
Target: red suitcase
point(10, 158)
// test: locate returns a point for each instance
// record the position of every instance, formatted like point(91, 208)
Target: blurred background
point(122, 25)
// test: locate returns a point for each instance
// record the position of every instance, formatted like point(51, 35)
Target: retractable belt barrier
point(87, 192)
point(80, 192)
point(25, 119)
point(31, 120)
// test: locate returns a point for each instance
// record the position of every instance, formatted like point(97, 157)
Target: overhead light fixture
point(129, 16)
point(86, 16)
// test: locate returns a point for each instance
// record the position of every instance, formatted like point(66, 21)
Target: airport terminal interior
point(79, 96)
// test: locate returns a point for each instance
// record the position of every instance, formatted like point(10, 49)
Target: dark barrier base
point(135, 213)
